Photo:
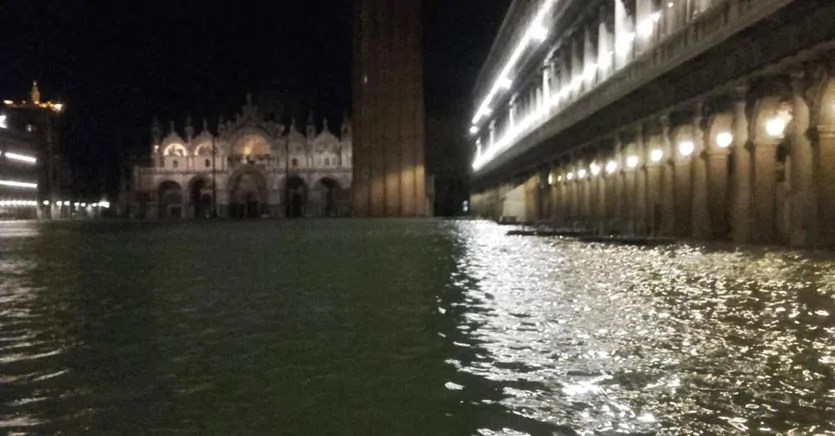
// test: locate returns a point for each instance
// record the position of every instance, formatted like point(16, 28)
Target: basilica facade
point(250, 167)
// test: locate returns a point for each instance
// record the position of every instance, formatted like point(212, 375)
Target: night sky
point(118, 63)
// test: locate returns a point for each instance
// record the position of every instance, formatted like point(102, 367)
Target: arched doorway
point(295, 197)
point(200, 197)
point(248, 195)
point(327, 197)
point(170, 195)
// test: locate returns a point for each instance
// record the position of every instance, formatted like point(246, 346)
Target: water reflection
point(405, 327)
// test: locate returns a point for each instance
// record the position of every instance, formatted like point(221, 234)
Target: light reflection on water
point(405, 327)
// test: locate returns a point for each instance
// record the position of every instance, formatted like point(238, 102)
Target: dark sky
point(118, 63)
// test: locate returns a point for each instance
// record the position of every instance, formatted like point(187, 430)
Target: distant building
point(30, 159)
point(389, 174)
point(251, 167)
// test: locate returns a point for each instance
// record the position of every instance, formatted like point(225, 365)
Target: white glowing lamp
point(559, 178)
point(776, 127)
point(624, 43)
point(473, 130)
point(595, 169)
point(645, 28)
point(506, 82)
point(656, 155)
point(611, 167)
point(46, 202)
point(539, 33)
point(550, 178)
point(632, 161)
point(724, 139)
point(581, 174)
point(569, 176)
point(3, 123)
point(686, 148)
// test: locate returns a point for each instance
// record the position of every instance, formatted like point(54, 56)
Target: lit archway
point(326, 193)
point(170, 200)
point(295, 197)
point(200, 197)
point(248, 195)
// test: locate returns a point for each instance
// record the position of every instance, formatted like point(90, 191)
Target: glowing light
point(624, 43)
point(632, 161)
point(590, 71)
point(670, 5)
point(3, 123)
point(76, 204)
point(559, 178)
point(21, 157)
point(776, 127)
point(536, 31)
point(473, 130)
point(9, 102)
point(18, 203)
point(550, 179)
point(656, 155)
point(105, 204)
point(569, 176)
point(724, 139)
point(15, 184)
point(605, 61)
point(83, 204)
point(581, 174)
point(539, 33)
point(656, 17)
point(595, 169)
point(686, 148)
point(66, 203)
point(645, 28)
point(46, 203)
point(611, 167)
point(506, 83)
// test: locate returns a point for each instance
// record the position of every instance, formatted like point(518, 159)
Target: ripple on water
point(406, 327)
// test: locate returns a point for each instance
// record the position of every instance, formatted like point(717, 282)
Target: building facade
point(389, 175)
point(707, 119)
point(30, 159)
point(249, 167)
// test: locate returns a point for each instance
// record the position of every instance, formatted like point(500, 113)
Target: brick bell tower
point(389, 178)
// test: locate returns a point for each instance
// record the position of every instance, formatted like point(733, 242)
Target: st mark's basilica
point(249, 167)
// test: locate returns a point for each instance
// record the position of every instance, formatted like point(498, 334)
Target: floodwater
point(413, 327)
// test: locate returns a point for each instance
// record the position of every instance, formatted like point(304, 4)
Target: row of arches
point(248, 197)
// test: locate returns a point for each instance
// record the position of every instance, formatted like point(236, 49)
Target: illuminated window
point(3, 123)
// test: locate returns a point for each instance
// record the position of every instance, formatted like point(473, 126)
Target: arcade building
point(249, 167)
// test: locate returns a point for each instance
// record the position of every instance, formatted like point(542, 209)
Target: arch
point(170, 199)
point(204, 149)
point(175, 149)
point(296, 197)
point(200, 195)
point(329, 197)
point(252, 146)
point(248, 194)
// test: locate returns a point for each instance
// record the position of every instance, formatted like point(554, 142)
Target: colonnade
point(756, 164)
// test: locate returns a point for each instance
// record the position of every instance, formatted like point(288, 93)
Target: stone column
point(667, 180)
point(717, 178)
point(604, 43)
point(803, 211)
point(640, 183)
point(763, 207)
point(654, 185)
point(623, 27)
point(701, 217)
point(602, 212)
point(742, 161)
point(682, 170)
point(825, 181)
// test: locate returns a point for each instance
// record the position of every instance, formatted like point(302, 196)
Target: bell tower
point(388, 133)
